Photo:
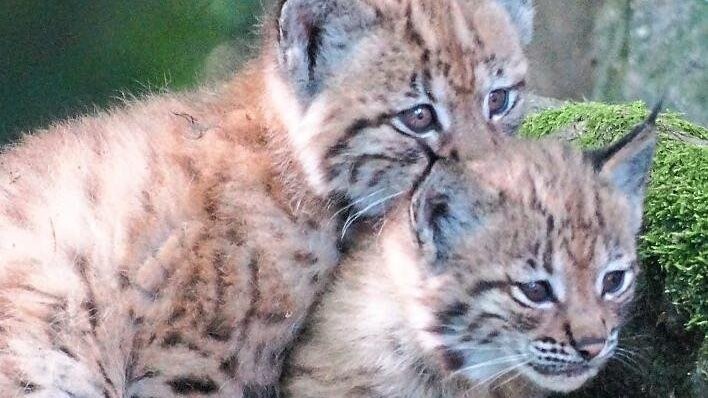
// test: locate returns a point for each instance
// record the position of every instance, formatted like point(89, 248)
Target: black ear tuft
point(315, 36)
point(627, 162)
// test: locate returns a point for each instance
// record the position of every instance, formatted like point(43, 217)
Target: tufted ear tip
point(627, 163)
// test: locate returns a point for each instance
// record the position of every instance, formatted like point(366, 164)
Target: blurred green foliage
point(60, 58)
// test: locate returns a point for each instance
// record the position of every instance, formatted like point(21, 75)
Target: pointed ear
point(521, 13)
point(442, 209)
point(315, 36)
point(627, 162)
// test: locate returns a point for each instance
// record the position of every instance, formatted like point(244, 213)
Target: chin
point(562, 381)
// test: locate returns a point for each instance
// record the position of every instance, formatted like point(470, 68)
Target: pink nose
point(591, 349)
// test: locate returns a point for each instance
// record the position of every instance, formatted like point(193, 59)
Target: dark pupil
point(613, 282)
point(498, 101)
point(419, 119)
point(537, 292)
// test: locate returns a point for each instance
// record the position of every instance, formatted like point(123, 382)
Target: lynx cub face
point(372, 92)
point(529, 261)
point(508, 276)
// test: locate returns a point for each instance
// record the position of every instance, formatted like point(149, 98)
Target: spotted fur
point(436, 307)
point(174, 245)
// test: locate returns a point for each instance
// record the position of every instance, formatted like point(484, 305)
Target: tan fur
point(415, 316)
point(173, 246)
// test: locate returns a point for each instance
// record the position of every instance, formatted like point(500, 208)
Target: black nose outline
point(584, 342)
point(582, 345)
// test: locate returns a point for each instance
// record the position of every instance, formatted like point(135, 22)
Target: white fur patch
point(301, 128)
point(406, 275)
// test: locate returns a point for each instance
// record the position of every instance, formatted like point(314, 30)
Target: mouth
point(560, 378)
point(561, 371)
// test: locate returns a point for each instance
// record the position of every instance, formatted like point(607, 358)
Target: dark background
point(63, 58)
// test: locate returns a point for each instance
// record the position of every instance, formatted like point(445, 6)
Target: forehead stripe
point(411, 32)
point(485, 286)
point(350, 132)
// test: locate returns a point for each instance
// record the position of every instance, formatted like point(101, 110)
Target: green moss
point(672, 312)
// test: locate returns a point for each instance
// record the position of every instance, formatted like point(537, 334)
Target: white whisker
point(356, 202)
point(495, 361)
point(509, 380)
point(501, 373)
point(358, 214)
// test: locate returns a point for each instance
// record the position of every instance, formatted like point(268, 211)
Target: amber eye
point(420, 119)
point(612, 282)
point(498, 102)
point(538, 292)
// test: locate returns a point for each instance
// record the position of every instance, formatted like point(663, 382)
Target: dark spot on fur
point(314, 42)
point(235, 236)
point(441, 330)
point(305, 257)
point(172, 339)
point(228, 365)
point(90, 307)
point(569, 335)
point(177, 314)
point(67, 351)
point(455, 310)
point(548, 257)
point(146, 202)
point(376, 178)
point(484, 286)
point(123, 279)
point(490, 337)
point(273, 317)
point(89, 304)
point(490, 315)
point(358, 125)
point(452, 360)
point(411, 32)
point(148, 374)
point(189, 168)
point(106, 379)
point(192, 385)
point(219, 330)
point(258, 391)
point(550, 223)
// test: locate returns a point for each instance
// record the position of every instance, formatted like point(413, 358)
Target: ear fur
point(443, 208)
point(522, 14)
point(627, 162)
point(315, 36)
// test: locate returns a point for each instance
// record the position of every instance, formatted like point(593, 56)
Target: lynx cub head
point(371, 92)
point(523, 263)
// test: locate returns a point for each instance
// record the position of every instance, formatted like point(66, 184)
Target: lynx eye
point(498, 102)
point(612, 282)
point(538, 292)
point(420, 119)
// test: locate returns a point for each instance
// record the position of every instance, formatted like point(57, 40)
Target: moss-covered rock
point(666, 339)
